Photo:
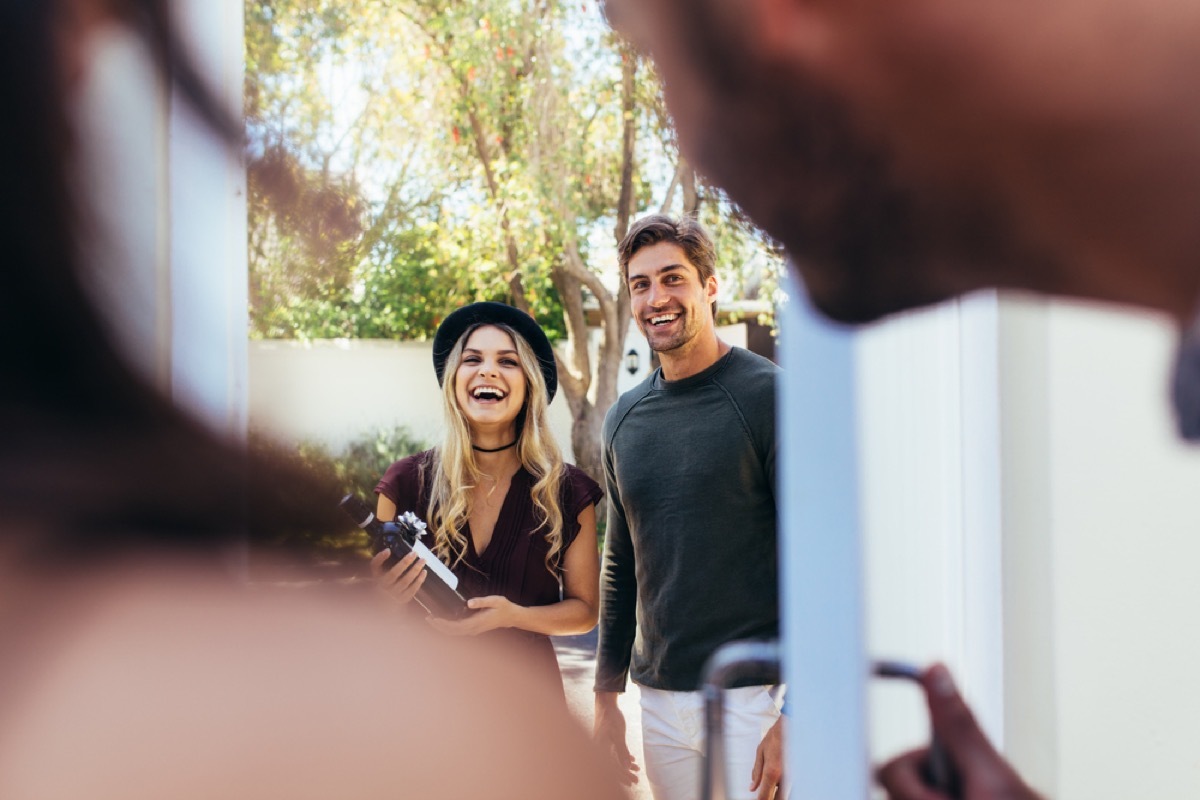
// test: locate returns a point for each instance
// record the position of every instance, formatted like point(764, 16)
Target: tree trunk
point(625, 199)
point(585, 441)
point(691, 197)
point(576, 375)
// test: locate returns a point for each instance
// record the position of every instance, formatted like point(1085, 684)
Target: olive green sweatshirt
point(690, 558)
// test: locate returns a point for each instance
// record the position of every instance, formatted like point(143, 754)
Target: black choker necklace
point(479, 449)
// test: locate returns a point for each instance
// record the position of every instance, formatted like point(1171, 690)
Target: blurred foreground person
point(906, 153)
point(131, 666)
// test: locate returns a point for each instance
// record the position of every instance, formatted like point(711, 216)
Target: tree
point(509, 144)
point(303, 217)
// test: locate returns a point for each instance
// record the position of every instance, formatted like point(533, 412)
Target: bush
point(356, 469)
point(363, 461)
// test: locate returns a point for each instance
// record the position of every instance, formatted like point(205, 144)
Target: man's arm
point(618, 584)
point(618, 623)
point(618, 601)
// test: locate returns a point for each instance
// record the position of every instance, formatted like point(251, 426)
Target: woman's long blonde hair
point(454, 471)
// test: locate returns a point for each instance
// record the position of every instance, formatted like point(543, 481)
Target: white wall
point(333, 391)
point(1101, 580)
point(1029, 516)
point(930, 483)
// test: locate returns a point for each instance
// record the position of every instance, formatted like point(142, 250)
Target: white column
point(824, 658)
point(207, 217)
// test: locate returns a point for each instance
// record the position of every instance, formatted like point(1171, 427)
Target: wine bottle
point(437, 594)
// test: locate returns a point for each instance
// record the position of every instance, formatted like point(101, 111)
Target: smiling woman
point(490, 387)
point(514, 523)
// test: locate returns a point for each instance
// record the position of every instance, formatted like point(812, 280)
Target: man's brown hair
point(685, 232)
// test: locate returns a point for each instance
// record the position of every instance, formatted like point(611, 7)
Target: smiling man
point(690, 555)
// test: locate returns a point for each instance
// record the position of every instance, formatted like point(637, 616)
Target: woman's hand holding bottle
point(402, 580)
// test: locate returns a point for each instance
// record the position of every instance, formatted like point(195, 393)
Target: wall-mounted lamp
point(633, 361)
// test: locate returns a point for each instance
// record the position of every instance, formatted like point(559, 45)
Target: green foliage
point(305, 217)
point(403, 291)
point(490, 130)
point(410, 156)
point(362, 462)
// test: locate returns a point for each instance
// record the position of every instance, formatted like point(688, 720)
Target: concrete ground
point(577, 661)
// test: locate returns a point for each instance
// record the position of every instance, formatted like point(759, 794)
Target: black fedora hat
point(489, 313)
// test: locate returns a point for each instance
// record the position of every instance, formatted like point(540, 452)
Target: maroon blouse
point(514, 563)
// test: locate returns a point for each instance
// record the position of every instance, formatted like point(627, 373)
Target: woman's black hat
point(488, 313)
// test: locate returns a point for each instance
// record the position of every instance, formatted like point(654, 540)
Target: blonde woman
point(510, 519)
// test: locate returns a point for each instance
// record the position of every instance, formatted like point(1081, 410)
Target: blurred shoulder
point(169, 682)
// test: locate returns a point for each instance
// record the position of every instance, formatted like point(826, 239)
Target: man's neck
point(693, 358)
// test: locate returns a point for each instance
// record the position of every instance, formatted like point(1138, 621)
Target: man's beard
point(866, 241)
point(687, 332)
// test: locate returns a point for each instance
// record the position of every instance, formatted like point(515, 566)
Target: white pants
point(673, 738)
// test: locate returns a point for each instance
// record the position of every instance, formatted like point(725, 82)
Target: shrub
point(355, 469)
point(363, 461)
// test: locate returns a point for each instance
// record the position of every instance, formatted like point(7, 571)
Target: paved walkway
point(577, 660)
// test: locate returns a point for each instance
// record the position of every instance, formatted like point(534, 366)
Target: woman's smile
point(490, 384)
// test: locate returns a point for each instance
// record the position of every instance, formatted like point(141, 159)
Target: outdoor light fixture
point(633, 361)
